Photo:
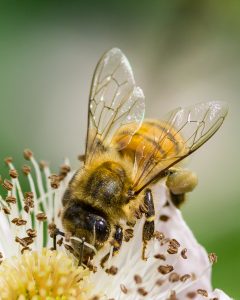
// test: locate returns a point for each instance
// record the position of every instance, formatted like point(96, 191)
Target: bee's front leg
point(116, 243)
point(180, 182)
point(148, 227)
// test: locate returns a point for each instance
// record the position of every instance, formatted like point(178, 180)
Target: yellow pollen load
point(46, 275)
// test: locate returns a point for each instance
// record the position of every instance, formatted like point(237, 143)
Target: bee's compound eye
point(102, 229)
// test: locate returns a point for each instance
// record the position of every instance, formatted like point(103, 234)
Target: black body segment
point(148, 227)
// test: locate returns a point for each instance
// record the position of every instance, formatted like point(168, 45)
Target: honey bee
point(126, 154)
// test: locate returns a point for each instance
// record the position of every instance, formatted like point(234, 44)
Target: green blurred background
point(182, 52)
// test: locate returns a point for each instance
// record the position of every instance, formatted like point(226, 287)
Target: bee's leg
point(116, 243)
point(54, 235)
point(148, 227)
point(180, 182)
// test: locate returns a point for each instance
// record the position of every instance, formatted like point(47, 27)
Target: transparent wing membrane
point(177, 136)
point(114, 102)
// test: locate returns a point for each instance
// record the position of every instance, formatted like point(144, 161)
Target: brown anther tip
point(55, 181)
point(164, 241)
point(159, 282)
point(172, 296)
point(174, 277)
point(212, 258)
point(27, 153)
point(159, 235)
point(31, 233)
point(160, 256)
point(123, 288)
point(19, 221)
point(26, 169)
point(142, 292)
point(6, 210)
point(1, 255)
point(191, 295)
point(164, 218)
point(13, 173)
point(202, 292)
point(174, 243)
point(52, 229)
point(8, 160)
point(183, 253)
point(11, 199)
point(112, 270)
point(172, 250)
point(29, 195)
point(65, 169)
point(95, 298)
point(165, 269)
point(138, 279)
point(25, 249)
point(43, 164)
point(60, 242)
point(7, 184)
point(185, 277)
point(41, 216)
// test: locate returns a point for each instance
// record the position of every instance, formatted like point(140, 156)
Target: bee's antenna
point(81, 251)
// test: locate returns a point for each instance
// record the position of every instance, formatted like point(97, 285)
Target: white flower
point(177, 266)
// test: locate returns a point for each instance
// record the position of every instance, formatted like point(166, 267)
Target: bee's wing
point(182, 132)
point(114, 101)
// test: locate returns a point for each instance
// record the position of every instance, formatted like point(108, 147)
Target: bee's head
point(84, 222)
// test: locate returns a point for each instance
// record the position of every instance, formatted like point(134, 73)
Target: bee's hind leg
point(116, 243)
point(148, 227)
point(180, 182)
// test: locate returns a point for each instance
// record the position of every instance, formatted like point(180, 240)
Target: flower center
point(45, 275)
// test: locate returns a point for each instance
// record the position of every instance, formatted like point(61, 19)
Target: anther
point(6, 210)
point(164, 218)
point(191, 295)
point(41, 216)
point(212, 258)
point(19, 221)
point(159, 282)
point(26, 170)
point(11, 199)
point(183, 253)
point(172, 296)
point(123, 288)
point(138, 279)
point(31, 233)
point(142, 292)
point(165, 269)
point(27, 153)
point(54, 181)
point(8, 160)
point(174, 277)
point(202, 292)
point(7, 185)
point(185, 277)
point(160, 256)
point(13, 173)
point(43, 164)
point(159, 235)
point(112, 270)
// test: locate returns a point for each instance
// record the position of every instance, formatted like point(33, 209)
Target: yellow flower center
point(46, 275)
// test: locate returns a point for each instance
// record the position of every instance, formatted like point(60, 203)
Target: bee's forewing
point(115, 101)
